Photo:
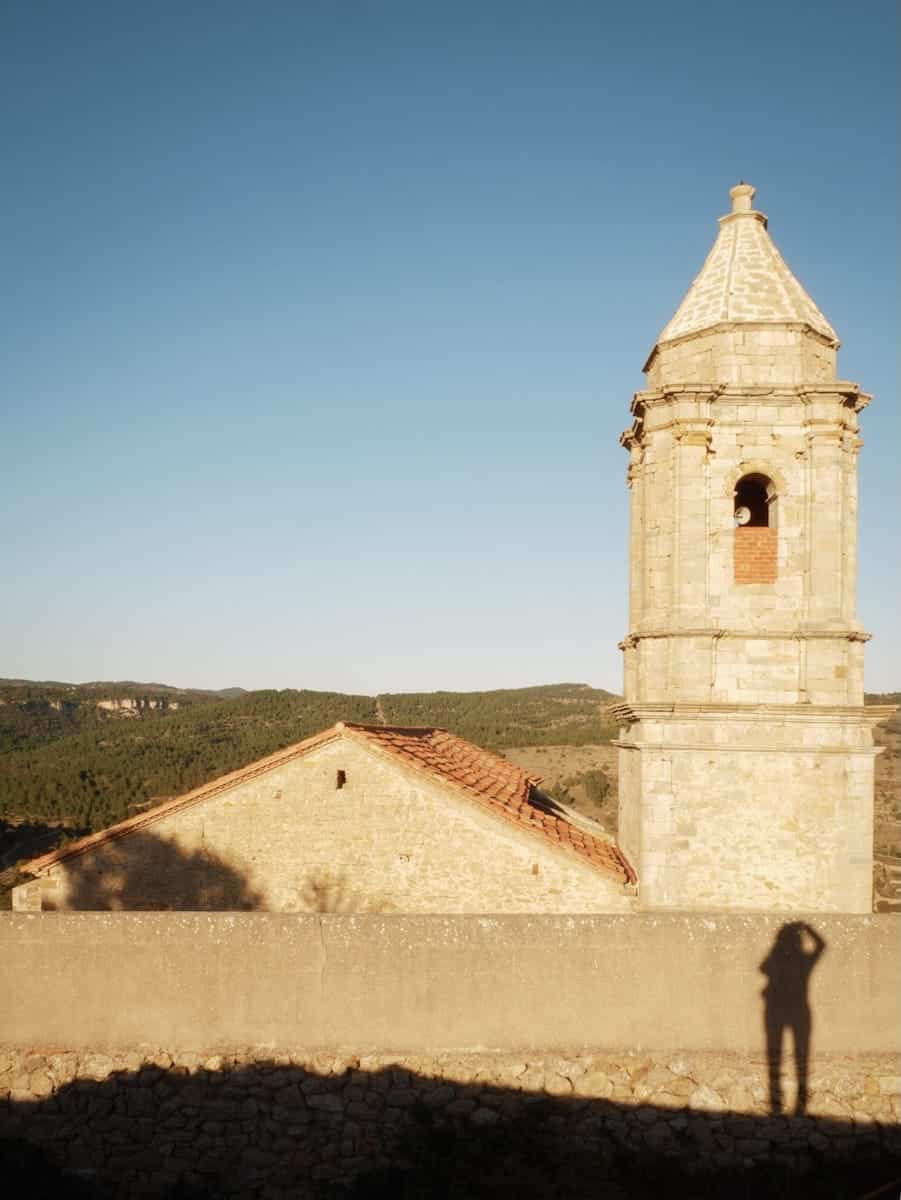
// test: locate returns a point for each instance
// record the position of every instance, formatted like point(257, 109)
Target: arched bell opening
point(756, 548)
point(755, 502)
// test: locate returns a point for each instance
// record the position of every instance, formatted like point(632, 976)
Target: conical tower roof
point(745, 280)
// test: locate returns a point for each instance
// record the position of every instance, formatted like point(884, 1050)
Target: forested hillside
point(115, 766)
point(65, 759)
point(32, 713)
point(563, 714)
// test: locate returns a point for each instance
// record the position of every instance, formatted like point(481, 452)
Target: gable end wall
point(389, 840)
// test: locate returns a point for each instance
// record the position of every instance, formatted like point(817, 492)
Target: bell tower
point(745, 753)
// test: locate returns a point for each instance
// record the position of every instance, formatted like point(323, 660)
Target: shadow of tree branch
point(147, 872)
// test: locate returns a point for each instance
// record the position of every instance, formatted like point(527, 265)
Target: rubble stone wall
point(147, 1121)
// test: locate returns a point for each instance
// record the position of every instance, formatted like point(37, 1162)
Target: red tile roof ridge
point(593, 848)
point(413, 730)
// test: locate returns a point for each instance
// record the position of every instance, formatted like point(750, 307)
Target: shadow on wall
point(329, 1130)
point(786, 1007)
point(329, 892)
point(146, 872)
point(151, 873)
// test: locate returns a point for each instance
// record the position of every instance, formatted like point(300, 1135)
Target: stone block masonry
point(758, 792)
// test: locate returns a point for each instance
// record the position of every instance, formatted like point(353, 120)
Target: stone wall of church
point(773, 808)
point(291, 840)
point(691, 451)
point(723, 667)
point(750, 820)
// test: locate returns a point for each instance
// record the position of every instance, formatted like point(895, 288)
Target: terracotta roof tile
point(483, 777)
point(495, 783)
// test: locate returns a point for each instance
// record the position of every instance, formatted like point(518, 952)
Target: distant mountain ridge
point(124, 686)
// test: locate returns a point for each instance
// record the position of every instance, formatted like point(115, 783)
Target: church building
point(746, 755)
point(358, 818)
point(745, 752)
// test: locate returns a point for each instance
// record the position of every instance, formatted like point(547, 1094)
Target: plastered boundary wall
point(377, 984)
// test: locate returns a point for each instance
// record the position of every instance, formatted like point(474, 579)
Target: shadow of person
point(788, 966)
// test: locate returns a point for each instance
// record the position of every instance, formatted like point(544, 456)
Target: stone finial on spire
point(742, 195)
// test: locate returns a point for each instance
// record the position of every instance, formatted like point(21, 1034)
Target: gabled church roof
point(485, 778)
point(745, 280)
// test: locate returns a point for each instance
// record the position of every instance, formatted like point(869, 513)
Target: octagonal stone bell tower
point(745, 753)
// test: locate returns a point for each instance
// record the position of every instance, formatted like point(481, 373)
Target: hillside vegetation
point(68, 755)
point(34, 713)
point(563, 714)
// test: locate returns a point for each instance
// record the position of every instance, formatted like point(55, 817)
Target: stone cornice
point(632, 436)
point(630, 712)
point(749, 748)
point(728, 399)
point(732, 393)
point(708, 631)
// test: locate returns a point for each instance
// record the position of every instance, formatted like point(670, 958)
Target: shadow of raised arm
point(786, 1006)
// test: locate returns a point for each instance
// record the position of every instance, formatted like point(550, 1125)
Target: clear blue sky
point(321, 320)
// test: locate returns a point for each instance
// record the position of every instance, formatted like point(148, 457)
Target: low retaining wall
point(397, 984)
point(276, 1056)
